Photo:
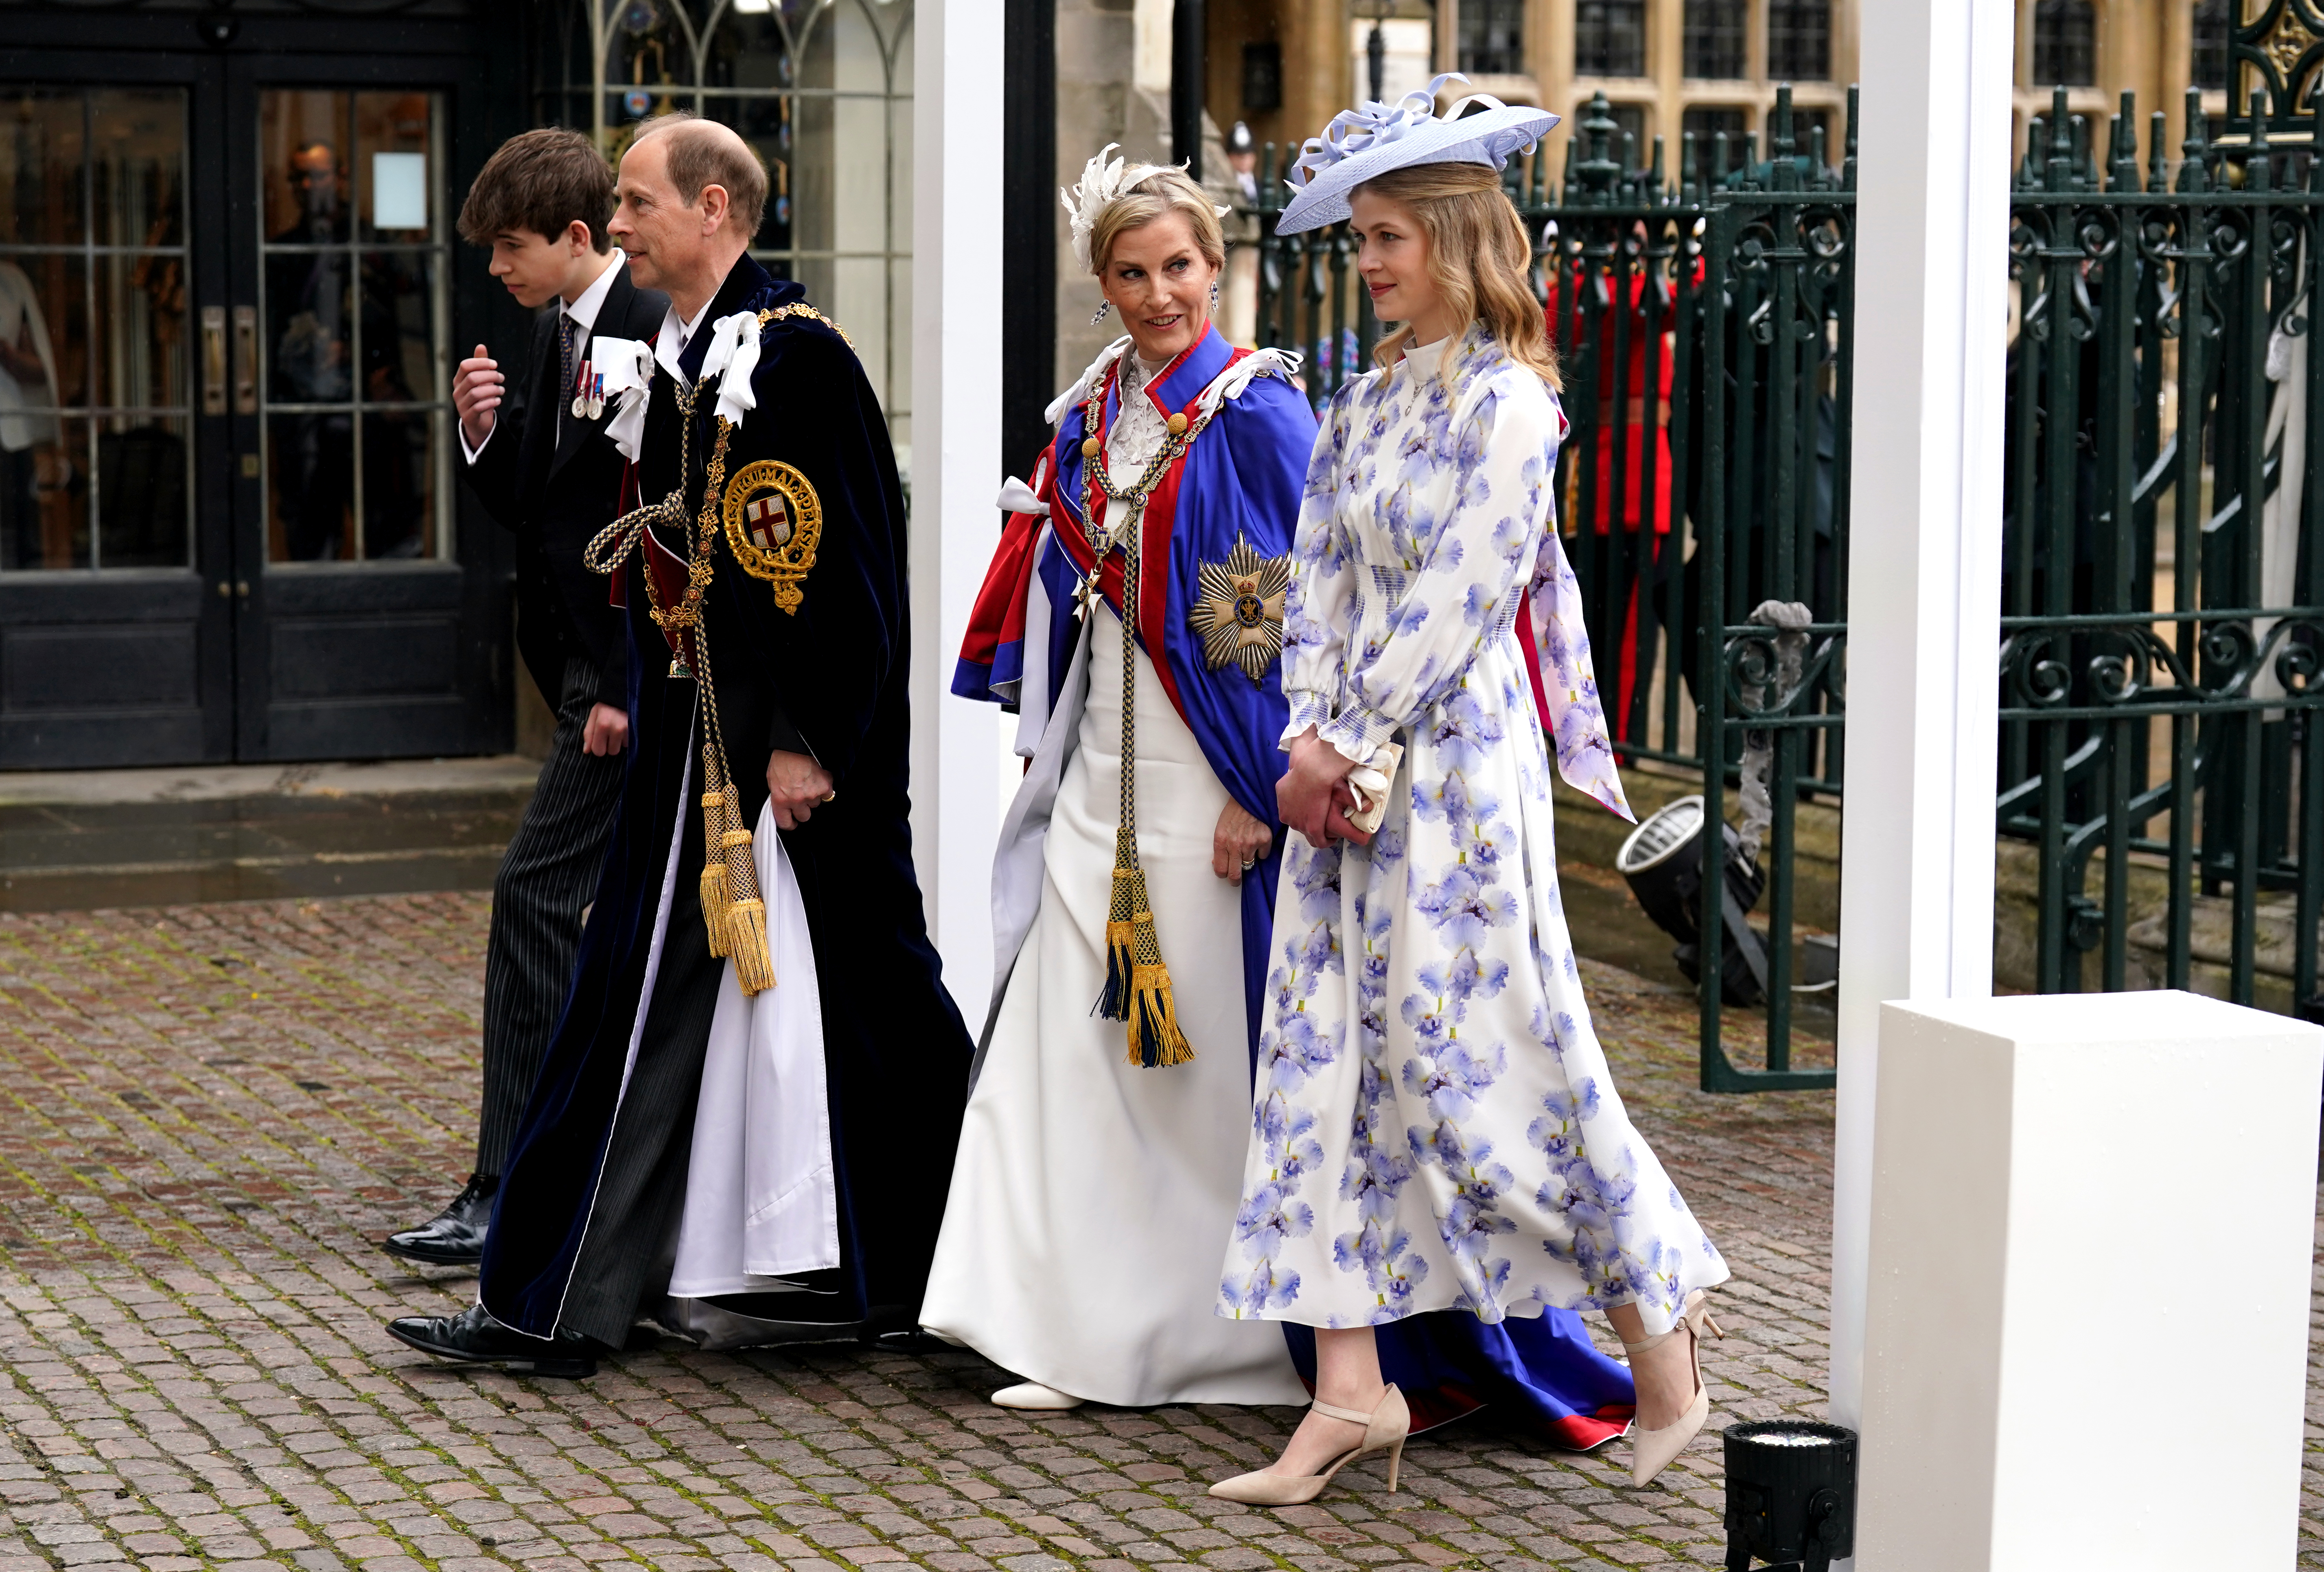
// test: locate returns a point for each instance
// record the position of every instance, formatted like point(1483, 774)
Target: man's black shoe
point(457, 1236)
point(474, 1337)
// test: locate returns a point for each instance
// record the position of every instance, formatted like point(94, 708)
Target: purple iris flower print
point(1434, 1126)
point(1467, 730)
point(1465, 905)
point(1301, 1050)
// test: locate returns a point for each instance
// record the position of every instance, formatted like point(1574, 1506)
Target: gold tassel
point(1120, 928)
point(715, 895)
point(752, 968)
point(1155, 1041)
point(1137, 981)
point(746, 918)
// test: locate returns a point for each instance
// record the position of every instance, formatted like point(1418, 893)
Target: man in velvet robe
point(811, 700)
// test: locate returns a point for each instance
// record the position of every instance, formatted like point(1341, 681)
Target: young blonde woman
point(1435, 1127)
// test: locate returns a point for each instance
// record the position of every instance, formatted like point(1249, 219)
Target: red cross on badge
point(769, 519)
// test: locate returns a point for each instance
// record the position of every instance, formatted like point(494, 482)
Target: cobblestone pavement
point(213, 1111)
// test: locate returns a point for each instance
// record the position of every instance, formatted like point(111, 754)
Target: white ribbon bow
point(1259, 363)
point(626, 365)
point(1376, 124)
point(1017, 497)
point(1087, 382)
point(733, 356)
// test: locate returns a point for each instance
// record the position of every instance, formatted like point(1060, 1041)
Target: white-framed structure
point(957, 753)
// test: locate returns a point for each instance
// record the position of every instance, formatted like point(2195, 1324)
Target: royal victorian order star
point(1241, 612)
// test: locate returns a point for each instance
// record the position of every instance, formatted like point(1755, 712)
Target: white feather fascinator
point(1103, 181)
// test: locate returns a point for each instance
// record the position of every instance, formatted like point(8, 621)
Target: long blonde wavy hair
point(1478, 257)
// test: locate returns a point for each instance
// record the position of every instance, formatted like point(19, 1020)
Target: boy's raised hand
point(476, 395)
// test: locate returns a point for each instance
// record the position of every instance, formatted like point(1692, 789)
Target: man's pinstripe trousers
point(545, 883)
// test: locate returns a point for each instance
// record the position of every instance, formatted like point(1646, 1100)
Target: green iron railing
point(2163, 592)
point(2162, 595)
point(1707, 475)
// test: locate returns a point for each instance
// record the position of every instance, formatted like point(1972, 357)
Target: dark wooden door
point(117, 587)
point(229, 520)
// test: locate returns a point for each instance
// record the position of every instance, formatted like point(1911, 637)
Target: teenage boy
point(553, 478)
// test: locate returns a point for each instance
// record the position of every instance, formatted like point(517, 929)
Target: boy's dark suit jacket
point(556, 494)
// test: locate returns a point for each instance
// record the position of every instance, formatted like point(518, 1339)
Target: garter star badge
point(1241, 612)
point(773, 522)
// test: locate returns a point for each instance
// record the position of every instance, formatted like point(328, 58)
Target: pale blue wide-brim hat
point(1365, 143)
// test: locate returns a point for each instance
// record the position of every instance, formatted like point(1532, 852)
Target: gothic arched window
point(1799, 40)
point(1492, 37)
point(822, 89)
point(1609, 38)
point(2213, 23)
point(1715, 40)
point(2065, 43)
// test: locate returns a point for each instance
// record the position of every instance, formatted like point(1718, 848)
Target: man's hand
point(606, 732)
point(1313, 795)
point(476, 394)
point(797, 786)
point(1237, 842)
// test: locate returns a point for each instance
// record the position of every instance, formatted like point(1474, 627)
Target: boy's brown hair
point(542, 180)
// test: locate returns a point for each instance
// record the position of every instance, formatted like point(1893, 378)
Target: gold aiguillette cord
point(734, 912)
point(1136, 982)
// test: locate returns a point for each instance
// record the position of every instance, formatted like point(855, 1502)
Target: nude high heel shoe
point(1651, 1451)
point(1385, 1431)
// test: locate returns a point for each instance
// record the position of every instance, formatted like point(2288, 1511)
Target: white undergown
point(1080, 1240)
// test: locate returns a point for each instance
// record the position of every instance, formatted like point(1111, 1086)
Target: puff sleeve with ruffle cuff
point(1308, 708)
point(1358, 732)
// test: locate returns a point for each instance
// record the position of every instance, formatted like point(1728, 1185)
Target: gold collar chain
point(1097, 475)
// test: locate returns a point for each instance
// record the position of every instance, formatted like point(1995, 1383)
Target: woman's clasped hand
point(1314, 796)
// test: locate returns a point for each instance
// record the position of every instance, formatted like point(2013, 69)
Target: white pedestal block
point(2086, 1337)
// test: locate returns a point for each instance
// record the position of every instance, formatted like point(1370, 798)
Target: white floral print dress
point(1433, 1124)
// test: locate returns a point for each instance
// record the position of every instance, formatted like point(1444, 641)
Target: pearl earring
point(1103, 307)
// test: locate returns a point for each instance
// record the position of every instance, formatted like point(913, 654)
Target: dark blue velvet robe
point(829, 680)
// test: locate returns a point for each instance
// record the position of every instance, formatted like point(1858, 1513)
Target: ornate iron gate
point(2159, 684)
point(1707, 476)
point(2163, 589)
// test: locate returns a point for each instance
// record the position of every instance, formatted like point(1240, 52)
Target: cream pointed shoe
point(1386, 1429)
point(1651, 1451)
point(1032, 1394)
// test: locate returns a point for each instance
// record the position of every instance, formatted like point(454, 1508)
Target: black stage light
point(1663, 861)
point(1790, 1495)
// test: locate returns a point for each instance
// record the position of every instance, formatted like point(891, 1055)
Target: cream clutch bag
point(1370, 782)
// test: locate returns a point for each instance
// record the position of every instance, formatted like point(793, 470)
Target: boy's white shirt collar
point(584, 311)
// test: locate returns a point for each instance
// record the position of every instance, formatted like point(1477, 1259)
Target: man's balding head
point(702, 153)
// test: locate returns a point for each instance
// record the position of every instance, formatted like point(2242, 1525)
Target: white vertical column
point(1924, 564)
point(956, 196)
